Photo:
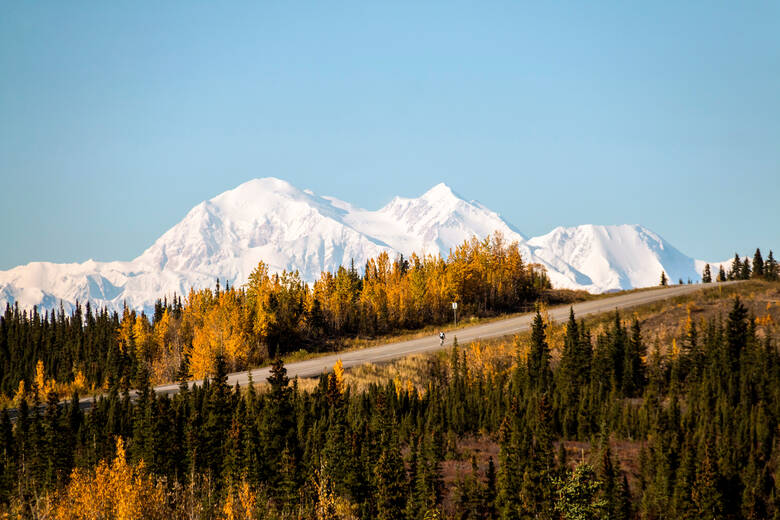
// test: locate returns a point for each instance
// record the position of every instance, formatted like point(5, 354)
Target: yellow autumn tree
point(125, 332)
point(20, 395)
point(223, 332)
point(112, 491)
point(143, 338)
point(80, 382)
point(40, 378)
point(338, 374)
point(275, 309)
point(240, 502)
point(162, 329)
point(43, 385)
point(168, 348)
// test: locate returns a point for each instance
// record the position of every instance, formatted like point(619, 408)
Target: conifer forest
point(587, 419)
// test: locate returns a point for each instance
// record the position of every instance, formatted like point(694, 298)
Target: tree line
point(742, 269)
point(271, 315)
point(703, 414)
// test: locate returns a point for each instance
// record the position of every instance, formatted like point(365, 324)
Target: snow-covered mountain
point(604, 258)
point(288, 228)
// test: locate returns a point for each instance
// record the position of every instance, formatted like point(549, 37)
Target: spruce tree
point(770, 267)
point(633, 365)
point(7, 457)
point(578, 496)
point(429, 486)
point(706, 494)
point(736, 268)
point(616, 350)
point(536, 489)
point(539, 374)
point(744, 271)
point(608, 476)
point(490, 489)
point(277, 427)
point(568, 365)
point(390, 483)
point(706, 276)
point(758, 264)
point(736, 333)
point(664, 279)
point(53, 454)
point(218, 412)
point(513, 443)
point(721, 274)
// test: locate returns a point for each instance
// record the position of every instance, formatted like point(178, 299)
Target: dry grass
point(661, 323)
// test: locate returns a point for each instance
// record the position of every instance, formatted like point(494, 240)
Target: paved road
point(509, 326)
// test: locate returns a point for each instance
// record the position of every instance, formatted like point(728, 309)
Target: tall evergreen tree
point(758, 264)
point(745, 270)
point(539, 374)
point(277, 427)
point(770, 267)
point(736, 333)
point(569, 365)
point(736, 268)
point(390, 483)
point(633, 366)
point(7, 457)
point(577, 497)
point(706, 276)
point(706, 492)
point(536, 489)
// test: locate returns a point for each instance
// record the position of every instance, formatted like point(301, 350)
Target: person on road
point(441, 338)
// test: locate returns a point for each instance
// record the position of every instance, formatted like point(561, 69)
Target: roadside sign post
point(455, 312)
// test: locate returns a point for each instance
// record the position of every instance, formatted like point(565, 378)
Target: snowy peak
point(270, 220)
point(434, 223)
point(441, 195)
point(264, 219)
point(604, 258)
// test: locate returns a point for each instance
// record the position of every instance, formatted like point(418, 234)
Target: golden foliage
point(397, 385)
point(21, 394)
point(125, 332)
point(331, 506)
point(221, 331)
point(116, 490)
point(40, 376)
point(675, 349)
point(143, 337)
point(240, 502)
point(338, 373)
point(523, 349)
point(80, 382)
point(42, 385)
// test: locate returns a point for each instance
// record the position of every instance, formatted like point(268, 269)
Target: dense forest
point(703, 412)
point(271, 315)
point(705, 416)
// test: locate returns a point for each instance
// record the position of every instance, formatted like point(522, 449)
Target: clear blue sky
point(117, 117)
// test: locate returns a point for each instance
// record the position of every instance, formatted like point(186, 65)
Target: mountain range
point(271, 220)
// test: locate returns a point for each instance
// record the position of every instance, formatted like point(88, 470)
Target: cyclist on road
point(441, 338)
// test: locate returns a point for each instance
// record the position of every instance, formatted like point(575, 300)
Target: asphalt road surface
point(466, 334)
